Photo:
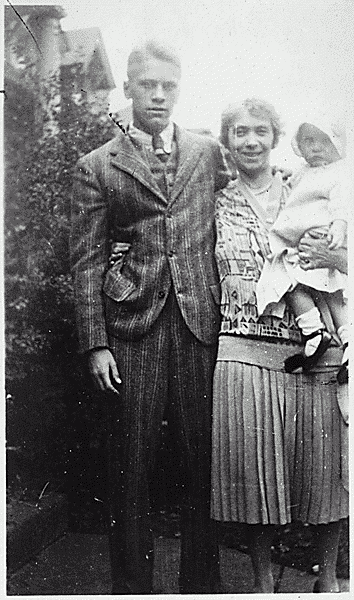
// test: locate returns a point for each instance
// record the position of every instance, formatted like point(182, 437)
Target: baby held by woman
point(319, 201)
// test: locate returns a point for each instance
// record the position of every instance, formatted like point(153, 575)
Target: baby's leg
point(338, 308)
point(308, 317)
point(300, 300)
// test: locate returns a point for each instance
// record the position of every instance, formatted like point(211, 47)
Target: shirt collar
point(146, 139)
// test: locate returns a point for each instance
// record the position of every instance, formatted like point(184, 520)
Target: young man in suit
point(149, 328)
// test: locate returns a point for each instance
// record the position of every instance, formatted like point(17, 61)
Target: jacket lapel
point(189, 153)
point(126, 156)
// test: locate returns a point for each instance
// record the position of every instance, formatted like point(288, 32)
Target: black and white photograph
point(178, 186)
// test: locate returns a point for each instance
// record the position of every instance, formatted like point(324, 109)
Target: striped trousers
point(168, 365)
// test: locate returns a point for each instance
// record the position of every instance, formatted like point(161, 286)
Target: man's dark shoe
point(124, 588)
point(121, 589)
point(207, 588)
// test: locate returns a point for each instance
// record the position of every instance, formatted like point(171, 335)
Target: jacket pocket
point(216, 293)
point(116, 286)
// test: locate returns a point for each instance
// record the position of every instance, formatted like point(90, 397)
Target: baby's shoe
point(308, 362)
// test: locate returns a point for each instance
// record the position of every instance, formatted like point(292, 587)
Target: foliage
point(41, 382)
point(39, 311)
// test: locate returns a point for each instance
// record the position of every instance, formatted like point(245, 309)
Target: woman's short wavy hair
point(257, 108)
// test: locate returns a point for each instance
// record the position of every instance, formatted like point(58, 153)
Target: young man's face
point(316, 146)
point(153, 88)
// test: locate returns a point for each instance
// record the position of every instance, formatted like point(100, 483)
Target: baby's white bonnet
point(335, 129)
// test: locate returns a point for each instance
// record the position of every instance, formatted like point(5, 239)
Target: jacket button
point(161, 294)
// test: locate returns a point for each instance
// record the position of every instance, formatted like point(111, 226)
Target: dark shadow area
point(87, 488)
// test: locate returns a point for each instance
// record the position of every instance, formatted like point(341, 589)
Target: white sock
point(344, 338)
point(309, 322)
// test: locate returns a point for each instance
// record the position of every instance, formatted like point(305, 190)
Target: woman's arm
point(314, 253)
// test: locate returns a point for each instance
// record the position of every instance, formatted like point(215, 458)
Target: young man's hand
point(103, 369)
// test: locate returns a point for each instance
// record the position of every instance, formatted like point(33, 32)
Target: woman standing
point(277, 437)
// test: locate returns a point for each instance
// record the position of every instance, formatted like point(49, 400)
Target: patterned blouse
point(242, 244)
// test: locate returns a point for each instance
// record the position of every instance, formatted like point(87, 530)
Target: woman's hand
point(314, 252)
point(337, 235)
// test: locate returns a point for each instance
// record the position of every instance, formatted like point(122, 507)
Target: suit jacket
point(115, 197)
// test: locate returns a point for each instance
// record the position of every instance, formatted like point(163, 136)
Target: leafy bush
point(39, 312)
point(40, 333)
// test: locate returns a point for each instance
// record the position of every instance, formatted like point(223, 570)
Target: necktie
point(157, 144)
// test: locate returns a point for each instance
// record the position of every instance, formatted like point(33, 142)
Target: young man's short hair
point(153, 49)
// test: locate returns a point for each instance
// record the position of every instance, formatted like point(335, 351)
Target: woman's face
point(251, 141)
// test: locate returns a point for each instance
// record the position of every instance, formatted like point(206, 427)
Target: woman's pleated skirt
point(277, 442)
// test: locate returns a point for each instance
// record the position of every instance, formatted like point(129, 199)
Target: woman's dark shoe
point(343, 373)
point(308, 362)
